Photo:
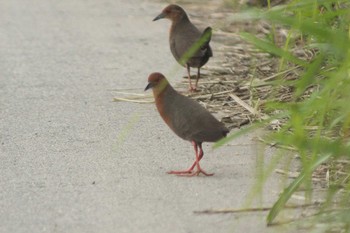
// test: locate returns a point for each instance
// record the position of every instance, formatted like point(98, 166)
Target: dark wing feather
point(191, 121)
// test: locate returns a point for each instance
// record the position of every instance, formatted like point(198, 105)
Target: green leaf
point(309, 76)
point(287, 193)
point(237, 134)
point(272, 49)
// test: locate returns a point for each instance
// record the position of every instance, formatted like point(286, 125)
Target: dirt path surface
point(74, 161)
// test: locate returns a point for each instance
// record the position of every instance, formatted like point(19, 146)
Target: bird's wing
point(191, 121)
point(205, 37)
point(175, 50)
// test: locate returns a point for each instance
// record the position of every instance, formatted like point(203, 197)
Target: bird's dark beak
point(160, 16)
point(149, 85)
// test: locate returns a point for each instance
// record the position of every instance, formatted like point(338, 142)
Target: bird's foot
point(194, 89)
point(190, 173)
point(203, 172)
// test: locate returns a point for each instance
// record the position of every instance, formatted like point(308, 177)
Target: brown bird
point(189, 46)
point(187, 118)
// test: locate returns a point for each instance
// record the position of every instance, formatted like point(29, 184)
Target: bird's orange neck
point(160, 96)
point(160, 88)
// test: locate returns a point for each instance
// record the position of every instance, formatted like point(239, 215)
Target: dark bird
point(189, 46)
point(187, 118)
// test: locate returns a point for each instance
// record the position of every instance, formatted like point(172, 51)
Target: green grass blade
point(309, 76)
point(237, 134)
point(272, 49)
point(287, 193)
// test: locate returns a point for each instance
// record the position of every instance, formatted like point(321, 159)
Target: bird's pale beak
point(149, 85)
point(160, 16)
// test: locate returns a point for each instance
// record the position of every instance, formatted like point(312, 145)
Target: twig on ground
point(254, 209)
point(272, 144)
point(243, 104)
point(116, 99)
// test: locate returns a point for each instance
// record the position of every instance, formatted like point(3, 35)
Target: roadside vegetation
point(315, 121)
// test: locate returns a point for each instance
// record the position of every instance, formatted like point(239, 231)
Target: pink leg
point(191, 168)
point(189, 172)
point(199, 169)
point(189, 78)
point(198, 76)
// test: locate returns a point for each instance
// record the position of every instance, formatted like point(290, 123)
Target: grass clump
point(317, 117)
